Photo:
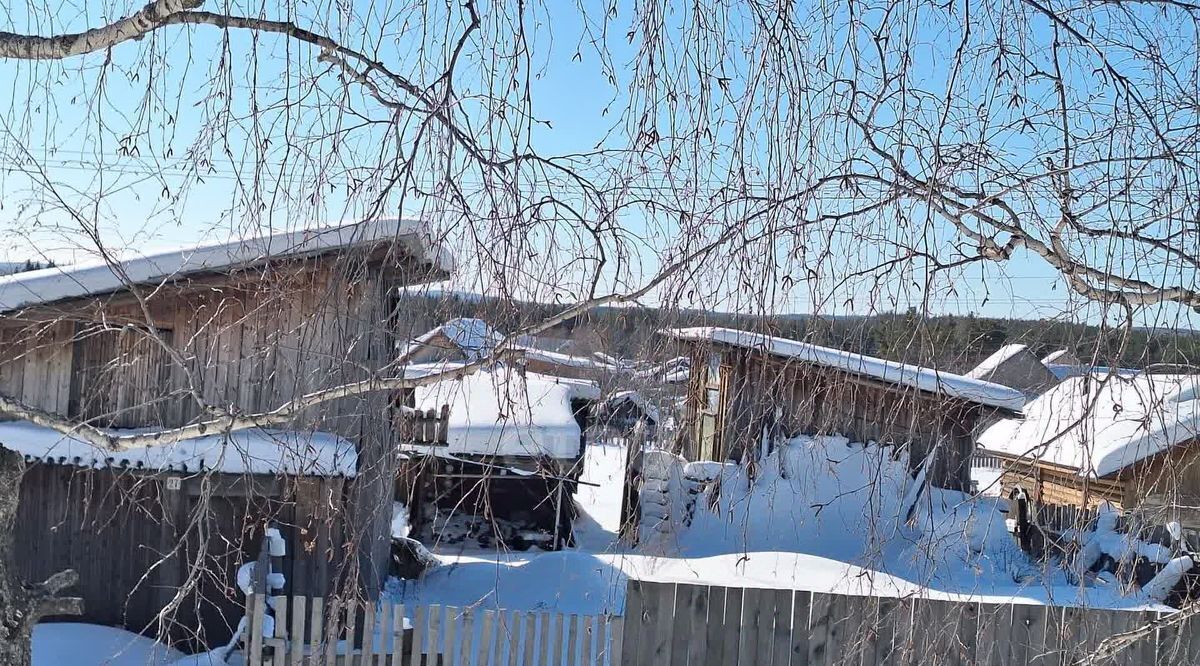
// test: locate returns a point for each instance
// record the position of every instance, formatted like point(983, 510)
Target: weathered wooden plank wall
point(813, 399)
point(137, 544)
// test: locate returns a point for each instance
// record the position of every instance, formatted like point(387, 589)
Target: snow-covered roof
point(47, 285)
point(989, 364)
point(503, 411)
point(1060, 356)
point(475, 338)
point(1063, 370)
point(255, 451)
point(1100, 425)
point(925, 379)
point(566, 360)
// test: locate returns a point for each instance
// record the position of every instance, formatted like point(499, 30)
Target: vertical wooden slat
point(681, 624)
point(614, 646)
point(434, 645)
point(530, 635)
point(571, 637)
point(751, 620)
point(733, 618)
point(316, 626)
point(823, 634)
point(635, 598)
point(1027, 636)
point(714, 630)
point(484, 651)
point(660, 602)
point(299, 617)
point(466, 637)
point(258, 604)
point(515, 624)
point(991, 649)
point(351, 625)
point(781, 635)
point(802, 605)
point(368, 633)
point(385, 645)
point(450, 635)
point(398, 634)
point(587, 631)
point(550, 632)
point(279, 605)
point(418, 636)
point(881, 628)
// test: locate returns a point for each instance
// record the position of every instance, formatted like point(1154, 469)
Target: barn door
point(120, 377)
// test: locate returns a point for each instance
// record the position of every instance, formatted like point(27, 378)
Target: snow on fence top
point(1101, 425)
point(989, 364)
point(504, 412)
point(925, 379)
point(86, 279)
point(255, 451)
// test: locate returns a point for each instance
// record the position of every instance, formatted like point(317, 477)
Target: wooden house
point(168, 339)
point(1131, 441)
point(1016, 366)
point(746, 385)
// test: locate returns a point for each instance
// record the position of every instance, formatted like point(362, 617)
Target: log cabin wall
point(737, 393)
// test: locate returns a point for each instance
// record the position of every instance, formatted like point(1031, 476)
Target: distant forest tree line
point(954, 343)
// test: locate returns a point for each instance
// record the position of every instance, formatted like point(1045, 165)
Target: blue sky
point(59, 137)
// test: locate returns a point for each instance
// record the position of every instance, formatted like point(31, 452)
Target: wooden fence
point(695, 625)
point(985, 461)
point(309, 631)
point(668, 624)
point(413, 426)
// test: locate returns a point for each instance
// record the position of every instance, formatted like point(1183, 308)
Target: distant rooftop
point(925, 379)
point(48, 285)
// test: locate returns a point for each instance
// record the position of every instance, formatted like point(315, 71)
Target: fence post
point(254, 625)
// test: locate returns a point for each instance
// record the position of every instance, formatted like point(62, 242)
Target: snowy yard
point(821, 516)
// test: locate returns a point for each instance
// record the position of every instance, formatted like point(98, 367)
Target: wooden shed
point(746, 385)
point(145, 525)
point(1131, 441)
point(167, 339)
point(506, 462)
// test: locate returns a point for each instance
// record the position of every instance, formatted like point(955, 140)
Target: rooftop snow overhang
point(62, 283)
point(930, 380)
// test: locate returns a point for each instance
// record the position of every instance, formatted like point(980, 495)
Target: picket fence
point(669, 624)
point(308, 631)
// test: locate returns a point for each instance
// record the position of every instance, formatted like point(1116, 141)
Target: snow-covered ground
point(74, 644)
point(987, 480)
point(822, 515)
